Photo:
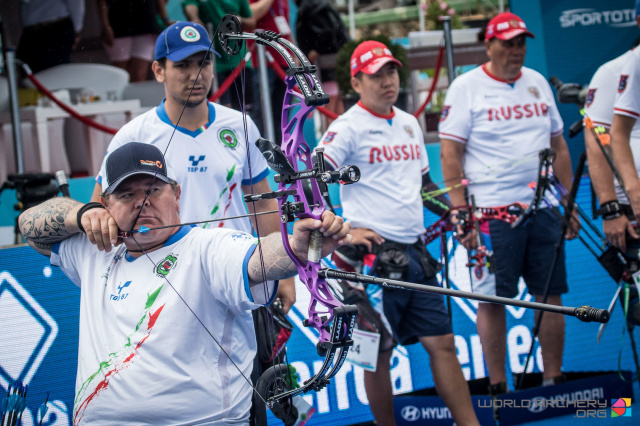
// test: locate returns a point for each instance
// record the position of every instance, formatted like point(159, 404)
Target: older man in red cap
point(386, 210)
point(495, 120)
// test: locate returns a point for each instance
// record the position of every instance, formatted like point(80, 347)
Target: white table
point(41, 115)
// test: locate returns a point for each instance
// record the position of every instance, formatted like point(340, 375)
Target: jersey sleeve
point(557, 126)
point(338, 143)
point(455, 120)
point(225, 255)
point(67, 255)
point(255, 159)
point(628, 99)
point(601, 96)
point(424, 158)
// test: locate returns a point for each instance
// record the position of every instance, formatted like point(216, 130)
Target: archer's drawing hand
point(101, 229)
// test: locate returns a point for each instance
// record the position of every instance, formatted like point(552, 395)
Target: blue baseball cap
point(637, 8)
point(181, 40)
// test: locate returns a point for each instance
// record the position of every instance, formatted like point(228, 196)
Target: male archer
point(492, 114)
point(166, 333)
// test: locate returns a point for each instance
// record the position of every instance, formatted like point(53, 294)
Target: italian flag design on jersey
point(120, 359)
point(224, 199)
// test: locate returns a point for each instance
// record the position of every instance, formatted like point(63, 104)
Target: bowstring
point(242, 102)
point(209, 51)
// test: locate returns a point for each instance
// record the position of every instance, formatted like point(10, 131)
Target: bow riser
point(296, 150)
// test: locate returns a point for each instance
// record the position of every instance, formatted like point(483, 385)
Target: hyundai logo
point(410, 413)
point(538, 404)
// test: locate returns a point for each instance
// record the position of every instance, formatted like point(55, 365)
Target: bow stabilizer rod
point(583, 313)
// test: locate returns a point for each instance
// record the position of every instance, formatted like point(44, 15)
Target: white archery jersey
point(392, 158)
point(212, 160)
point(600, 101)
point(144, 358)
point(503, 127)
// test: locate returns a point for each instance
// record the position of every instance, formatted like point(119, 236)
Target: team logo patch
point(377, 51)
point(190, 34)
point(166, 265)
point(591, 94)
point(445, 112)
point(409, 131)
point(329, 138)
point(623, 83)
point(534, 91)
point(228, 137)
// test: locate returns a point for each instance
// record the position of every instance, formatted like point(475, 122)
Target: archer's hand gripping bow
point(286, 159)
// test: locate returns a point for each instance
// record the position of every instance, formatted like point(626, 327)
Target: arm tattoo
point(277, 263)
point(45, 223)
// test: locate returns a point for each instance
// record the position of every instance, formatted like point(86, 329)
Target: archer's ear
point(158, 71)
point(355, 83)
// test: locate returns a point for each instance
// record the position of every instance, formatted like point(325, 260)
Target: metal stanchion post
point(15, 110)
point(446, 24)
point(265, 94)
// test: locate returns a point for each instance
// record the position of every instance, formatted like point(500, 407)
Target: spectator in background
point(51, 29)
point(129, 31)
point(273, 15)
point(211, 12)
point(493, 114)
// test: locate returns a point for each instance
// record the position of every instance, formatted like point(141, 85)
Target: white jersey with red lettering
point(503, 127)
point(212, 160)
point(600, 101)
point(390, 152)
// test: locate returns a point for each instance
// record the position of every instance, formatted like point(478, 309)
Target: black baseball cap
point(135, 158)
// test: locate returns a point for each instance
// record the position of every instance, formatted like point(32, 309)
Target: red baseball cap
point(506, 26)
point(370, 56)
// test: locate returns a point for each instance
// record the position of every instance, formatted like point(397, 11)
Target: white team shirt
point(212, 160)
point(503, 127)
point(600, 101)
point(143, 356)
point(390, 152)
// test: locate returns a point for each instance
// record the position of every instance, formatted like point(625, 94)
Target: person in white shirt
point(603, 89)
point(493, 117)
point(625, 137)
point(385, 210)
point(158, 310)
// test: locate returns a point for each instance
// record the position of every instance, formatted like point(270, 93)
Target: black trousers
point(46, 45)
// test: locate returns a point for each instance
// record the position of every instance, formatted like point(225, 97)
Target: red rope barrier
point(433, 83)
point(67, 108)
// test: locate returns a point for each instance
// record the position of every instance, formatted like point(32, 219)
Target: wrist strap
point(83, 209)
point(610, 210)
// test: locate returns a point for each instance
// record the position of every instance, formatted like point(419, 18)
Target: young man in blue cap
point(208, 151)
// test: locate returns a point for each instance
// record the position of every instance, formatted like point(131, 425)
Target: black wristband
point(83, 209)
point(610, 210)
